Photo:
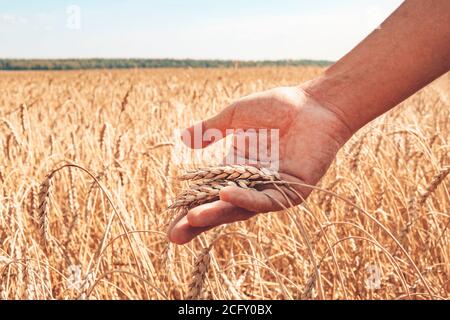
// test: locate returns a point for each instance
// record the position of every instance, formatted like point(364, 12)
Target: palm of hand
point(309, 137)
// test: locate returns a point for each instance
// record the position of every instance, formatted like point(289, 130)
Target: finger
point(217, 213)
point(181, 232)
point(209, 131)
point(174, 222)
point(259, 201)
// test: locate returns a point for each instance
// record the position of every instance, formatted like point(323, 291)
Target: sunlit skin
point(409, 50)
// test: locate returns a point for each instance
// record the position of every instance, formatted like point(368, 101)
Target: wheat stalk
point(414, 203)
point(2, 178)
point(24, 118)
point(52, 143)
point(33, 202)
point(43, 213)
point(206, 192)
point(378, 196)
point(206, 183)
point(103, 134)
point(200, 270)
point(233, 173)
point(435, 182)
point(74, 147)
point(73, 205)
point(119, 153)
point(199, 274)
point(328, 199)
point(124, 102)
point(13, 132)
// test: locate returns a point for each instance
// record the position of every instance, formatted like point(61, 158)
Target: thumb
point(204, 133)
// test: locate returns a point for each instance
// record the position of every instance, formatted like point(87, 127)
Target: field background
point(118, 125)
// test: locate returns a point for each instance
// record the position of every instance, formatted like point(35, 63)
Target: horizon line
point(170, 59)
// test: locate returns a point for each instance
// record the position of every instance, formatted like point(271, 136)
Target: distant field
point(109, 242)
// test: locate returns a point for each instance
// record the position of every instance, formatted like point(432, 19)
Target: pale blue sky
point(283, 29)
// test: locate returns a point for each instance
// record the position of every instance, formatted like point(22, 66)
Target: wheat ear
point(233, 172)
point(206, 183)
point(43, 212)
point(201, 269)
point(414, 203)
point(199, 274)
point(208, 191)
point(435, 182)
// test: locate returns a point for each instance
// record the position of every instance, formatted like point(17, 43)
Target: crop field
point(87, 173)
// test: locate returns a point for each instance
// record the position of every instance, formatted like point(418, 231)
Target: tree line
point(79, 64)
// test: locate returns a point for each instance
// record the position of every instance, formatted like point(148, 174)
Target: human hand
point(310, 135)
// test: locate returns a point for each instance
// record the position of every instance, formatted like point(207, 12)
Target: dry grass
point(383, 205)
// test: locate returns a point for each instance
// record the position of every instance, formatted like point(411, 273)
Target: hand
point(310, 136)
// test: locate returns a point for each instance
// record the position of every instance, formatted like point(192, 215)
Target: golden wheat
point(119, 126)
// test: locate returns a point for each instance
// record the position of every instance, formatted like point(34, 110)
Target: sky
point(197, 29)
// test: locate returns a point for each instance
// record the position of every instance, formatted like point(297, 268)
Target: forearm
point(411, 49)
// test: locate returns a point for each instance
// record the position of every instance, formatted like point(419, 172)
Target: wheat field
point(377, 227)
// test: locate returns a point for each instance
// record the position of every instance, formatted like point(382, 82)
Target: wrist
point(343, 126)
point(330, 93)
